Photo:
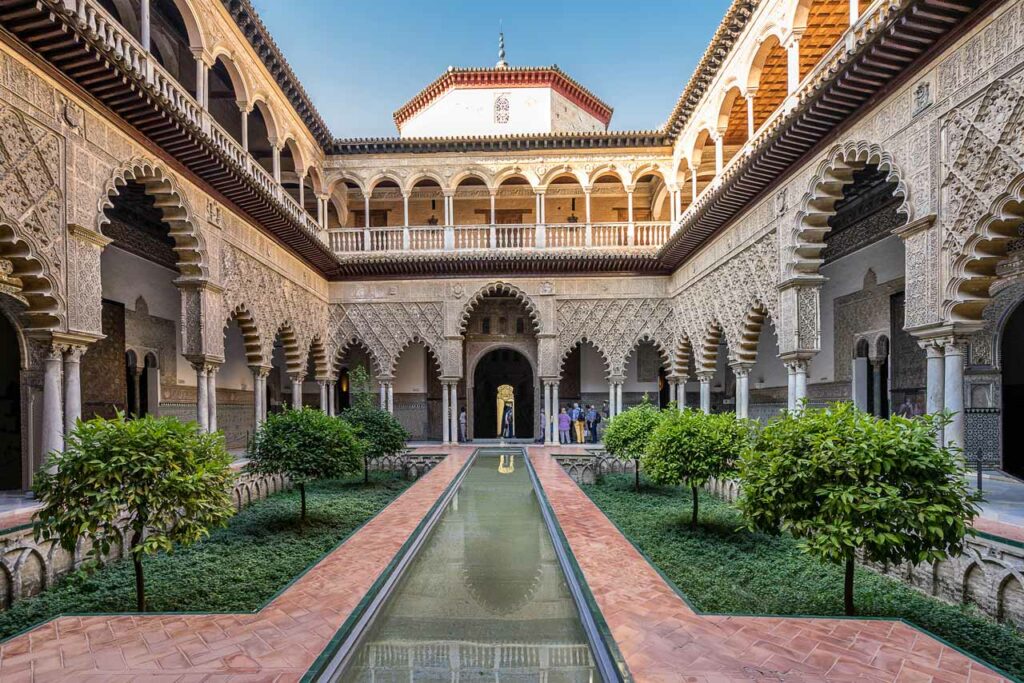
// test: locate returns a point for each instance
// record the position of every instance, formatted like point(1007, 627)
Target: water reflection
point(484, 598)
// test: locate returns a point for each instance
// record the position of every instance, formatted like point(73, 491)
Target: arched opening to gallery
point(417, 392)
point(351, 358)
point(10, 407)
point(1013, 393)
point(496, 370)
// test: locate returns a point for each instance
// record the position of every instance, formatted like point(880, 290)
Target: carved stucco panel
point(387, 328)
point(615, 326)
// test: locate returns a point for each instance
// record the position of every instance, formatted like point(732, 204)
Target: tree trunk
point(693, 519)
point(848, 588)
point(302, 495)
point(140, 583)
point(636, 471)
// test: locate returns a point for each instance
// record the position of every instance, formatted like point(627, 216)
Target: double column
point(615, 383)
point(742, 372)
point(387, 393)
point(206, 393)
point(259, 393)
point(796, 376)
point(945, 385)
point(297, 380)
point(449, 410)
point(705, 377)
point(551, 411)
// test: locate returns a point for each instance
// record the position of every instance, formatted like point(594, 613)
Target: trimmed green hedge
point(721, 568)
point(237, 569)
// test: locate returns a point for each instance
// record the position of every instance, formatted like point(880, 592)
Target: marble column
point(211, 381)
point(453, 416)
point(202, 396)
point(323, 397)
point(72, 387)
point(742, 372)
point(800, 373)
point(391, 398)
point(53, 418)
point(936, 374)
point(144, 25)
point(611, 399)
point(297, 391)
point(705, 390)
point(445, 433)
point(954, 392)
point(136, 391)
point(259, 393)
point(876, 386)
point(383, 394)
point(554, 411)
point(331, 386)
point(618, 398)
point(547, 414)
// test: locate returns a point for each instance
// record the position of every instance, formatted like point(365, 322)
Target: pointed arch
point(251, 338)
point(580, 342)
point(745, 348)
point(45, 307)
point(317, 352)
point(355, 341)
point(500, 289)
point(174, 208)
point(682, 356)
point(825, 189)
point(293, 358)
point(647, 338)
point(413, 341)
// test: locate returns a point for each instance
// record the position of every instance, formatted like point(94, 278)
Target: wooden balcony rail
point(397, 239)
point(122, 46)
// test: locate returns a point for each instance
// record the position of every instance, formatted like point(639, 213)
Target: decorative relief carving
point(387, 328)
point(615, 326)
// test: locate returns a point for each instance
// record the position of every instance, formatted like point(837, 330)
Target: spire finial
point(502, 64)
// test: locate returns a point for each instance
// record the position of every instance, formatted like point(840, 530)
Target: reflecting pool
point(485, 598)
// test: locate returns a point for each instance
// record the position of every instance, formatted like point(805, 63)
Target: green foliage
point(723, 567)
point(359, 387)
point(381, 431)
point(161, 478)
point(627, 434)
point(237, 569)
point(840, 480)
point(690, 447)
point(305, 445)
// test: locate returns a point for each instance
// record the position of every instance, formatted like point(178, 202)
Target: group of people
point(577, 424)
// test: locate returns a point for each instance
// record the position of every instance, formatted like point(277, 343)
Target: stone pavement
point(278, 643)
point(662, 639)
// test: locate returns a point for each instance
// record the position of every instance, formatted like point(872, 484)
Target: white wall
point(631, 385)
point(769, 371)
point(411, 371)
point(470, 111)
point(846, 276)
point(593, 374)
point(235, 373)
point(126, 277)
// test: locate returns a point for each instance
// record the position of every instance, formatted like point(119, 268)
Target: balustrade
point(508, 237)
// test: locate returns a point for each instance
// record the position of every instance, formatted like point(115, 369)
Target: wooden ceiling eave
point(883, 56)
point(84, 59)
point(446, 265)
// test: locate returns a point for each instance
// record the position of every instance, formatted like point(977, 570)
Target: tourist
point(462, 424)
point(578, 415)
point(563, 426)
point(593, 418)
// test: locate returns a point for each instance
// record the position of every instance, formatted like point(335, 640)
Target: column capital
point(616, 379)
point(741, 368)
point(261, 371)
point(297, 376)
point(795, 364)
point(705, 376)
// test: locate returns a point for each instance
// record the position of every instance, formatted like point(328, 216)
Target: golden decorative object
point(506, 398)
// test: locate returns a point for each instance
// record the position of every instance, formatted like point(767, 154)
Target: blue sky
point(362, 60)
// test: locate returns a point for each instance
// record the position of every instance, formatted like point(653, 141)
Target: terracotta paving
point(278, 643)
point(1001, 529)
point(662, 639)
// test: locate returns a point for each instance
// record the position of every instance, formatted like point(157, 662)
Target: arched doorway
point(495, 368)
point(10, 408)
point(1013, 393)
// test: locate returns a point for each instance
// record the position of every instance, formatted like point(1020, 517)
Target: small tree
point(305, 445)
point(841, 480)
point(627, 433)
point(160, 479)
point(690, 447)
point(381, 433)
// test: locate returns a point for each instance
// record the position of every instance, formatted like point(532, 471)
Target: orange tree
point(842, 481)
point(162, 480)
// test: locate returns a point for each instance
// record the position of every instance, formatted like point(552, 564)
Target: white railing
point(502, 237)
point(122, 46)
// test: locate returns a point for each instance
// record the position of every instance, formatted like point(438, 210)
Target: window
point(485, 326)
point(501, 109)
point(520, 326)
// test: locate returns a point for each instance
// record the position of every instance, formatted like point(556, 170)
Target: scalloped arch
point(824, 190)
point(500, 288)
point(582, 341)
point(251, 337)
point(174, 208)
point(356, 341)
point(45, 309)
point(412, 341)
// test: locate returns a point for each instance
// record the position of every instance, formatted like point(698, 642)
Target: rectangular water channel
point(485, 596)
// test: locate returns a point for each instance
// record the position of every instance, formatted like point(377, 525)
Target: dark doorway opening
point(498, 367)
point(10, 408)
point(1013, 393)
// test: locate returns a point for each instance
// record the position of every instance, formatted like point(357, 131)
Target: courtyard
point(691, 357)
